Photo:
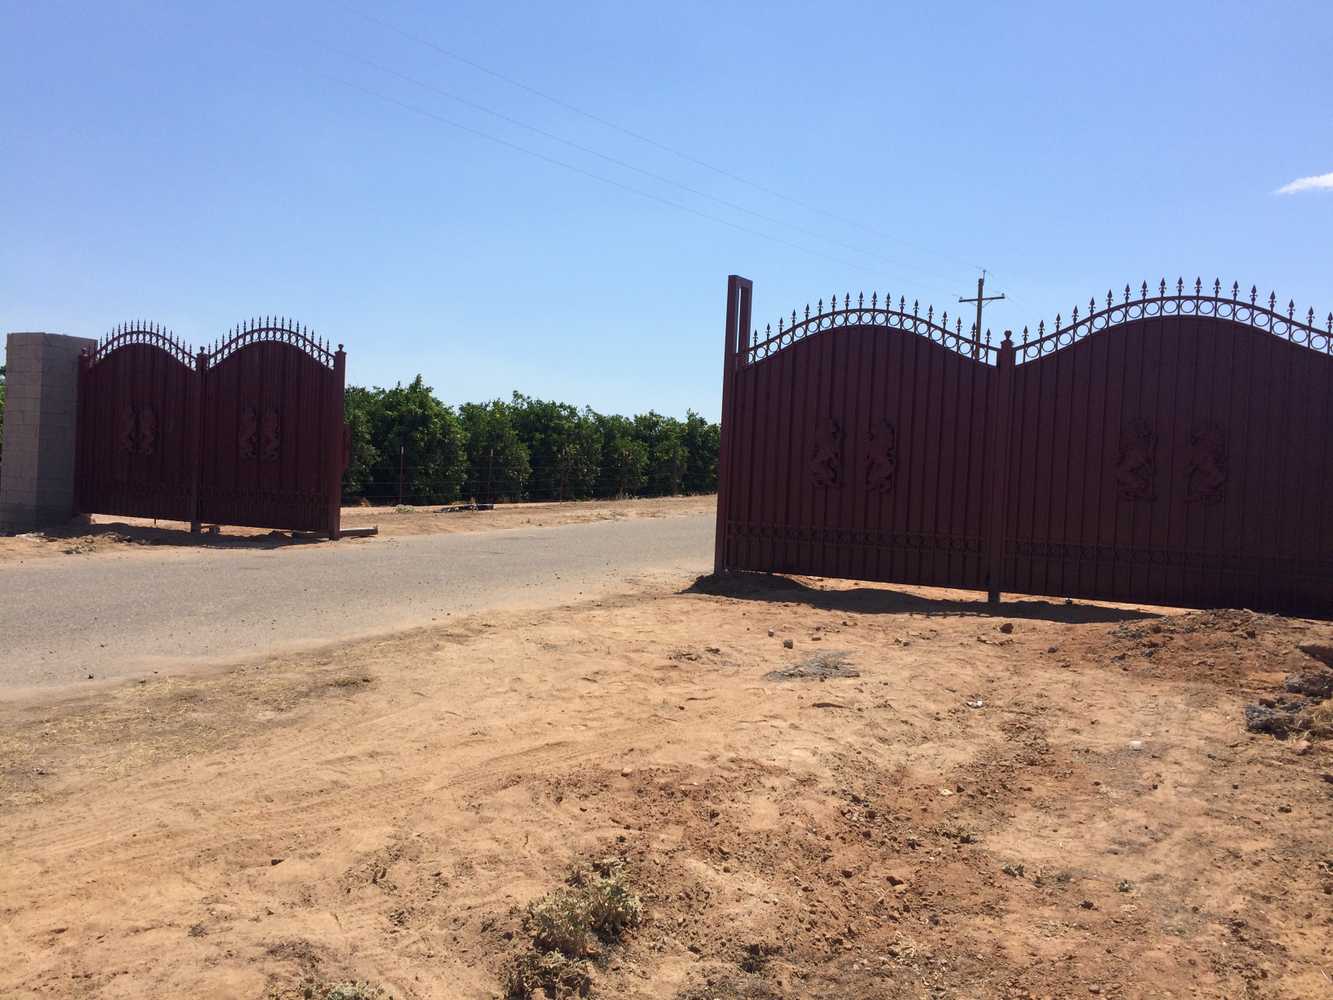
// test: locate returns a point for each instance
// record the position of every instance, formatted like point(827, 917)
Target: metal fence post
point(197, 438)
point(1000, 417)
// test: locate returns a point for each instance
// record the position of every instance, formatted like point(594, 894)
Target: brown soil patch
point(1054, 810)
point(109, 534)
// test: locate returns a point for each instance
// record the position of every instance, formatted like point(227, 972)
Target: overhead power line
point(654, 175)
point(632, 133)
point(649, 195)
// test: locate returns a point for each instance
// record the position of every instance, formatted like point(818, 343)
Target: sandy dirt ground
point(107, 534)
point(1060, 801)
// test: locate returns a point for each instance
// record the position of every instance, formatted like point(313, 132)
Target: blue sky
point(200, 163)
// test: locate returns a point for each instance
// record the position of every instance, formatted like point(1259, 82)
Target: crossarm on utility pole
point(981, 299)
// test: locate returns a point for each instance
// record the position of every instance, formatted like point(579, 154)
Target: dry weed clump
point(568, 927)
point(1321, 720)
point(314, 990)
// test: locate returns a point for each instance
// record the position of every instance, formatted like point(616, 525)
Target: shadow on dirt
point(75, 537)
point(882, 601)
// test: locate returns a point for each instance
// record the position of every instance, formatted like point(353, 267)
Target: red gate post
point(334, 446)
point(997, 446)
point(197, 439)
point(736, 343)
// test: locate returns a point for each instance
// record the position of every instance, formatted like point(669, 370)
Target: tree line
point(409, 447)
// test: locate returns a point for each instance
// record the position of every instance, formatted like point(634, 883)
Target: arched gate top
point(277, 330)
point(270, 329)
point(1249, 310)
point(1226, 304)
point(877, 313)
point(141, 332)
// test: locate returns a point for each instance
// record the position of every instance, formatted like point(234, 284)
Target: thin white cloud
point(1320, 182)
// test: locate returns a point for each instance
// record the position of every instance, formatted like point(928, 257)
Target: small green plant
point(559, 922)
point(612, 909)
point(567, 927)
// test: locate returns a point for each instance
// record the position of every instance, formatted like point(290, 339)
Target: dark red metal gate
point(138, 421)
point(1170, 449)
point(250, 433)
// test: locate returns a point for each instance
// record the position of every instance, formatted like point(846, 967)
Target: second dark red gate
point(1167, 447)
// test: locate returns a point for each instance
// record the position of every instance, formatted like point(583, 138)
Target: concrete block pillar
point(41, 414)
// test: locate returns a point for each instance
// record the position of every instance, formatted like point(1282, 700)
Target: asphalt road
point(117, 616)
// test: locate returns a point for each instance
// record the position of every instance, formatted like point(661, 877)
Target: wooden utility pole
point(981, 299)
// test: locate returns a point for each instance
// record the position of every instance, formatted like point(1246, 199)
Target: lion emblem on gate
point(882, 458)
point(1206, 464)
point(1136, 465)
point(826, 459)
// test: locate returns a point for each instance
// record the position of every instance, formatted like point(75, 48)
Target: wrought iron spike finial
point(1291, 308)
point(1235, 290)
point(1217, 287)
point(930, 313)
point(1254, 291)
point(874, 300)
point(1272, 299)
point(1161, 288)
point(1180, 286)
point(1143, 292)
point(1127, 293)
point(916, 306)
point(819, 306)
point(1198, 285)
point(1025, 335)
point(860, 300)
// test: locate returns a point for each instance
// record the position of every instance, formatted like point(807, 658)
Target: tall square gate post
point(736, 345)
point(334, 445)
point(37, 485)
